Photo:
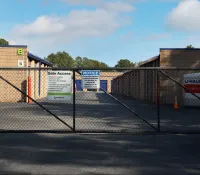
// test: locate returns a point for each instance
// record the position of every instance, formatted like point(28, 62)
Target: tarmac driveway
point(94, 112)
point(108, 154)
point(97, 112)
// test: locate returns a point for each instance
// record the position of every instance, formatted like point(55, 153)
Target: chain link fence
point(39, 115)
point(180, 100)
point(129, 101)
point(103, 110)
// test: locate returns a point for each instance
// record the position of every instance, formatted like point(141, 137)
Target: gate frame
point(74, 70)
point(37, 103)
point(161, 71)
point(122, 104)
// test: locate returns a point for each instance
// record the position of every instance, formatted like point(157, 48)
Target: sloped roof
point(17, 46)
point(149, 60)
point(36, 58)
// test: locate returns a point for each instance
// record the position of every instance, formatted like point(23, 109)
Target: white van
point(192, 83)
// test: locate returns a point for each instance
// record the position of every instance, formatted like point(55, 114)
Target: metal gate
point(24, 107)
point(131, 105)
point(102, 111)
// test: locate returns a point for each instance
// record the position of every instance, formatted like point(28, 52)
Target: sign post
point(59, 85)
point(90, 79)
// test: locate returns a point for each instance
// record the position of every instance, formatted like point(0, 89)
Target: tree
point(103, 65)
point(86, 62)
point(89, 63)
point(3, 42)
point(61, 59)
point(78, 61)
point(125, 63)
point(190, 47)
point(138, 63)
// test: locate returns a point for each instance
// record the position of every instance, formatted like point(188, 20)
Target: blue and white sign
point(90, 79)
point(90, 73)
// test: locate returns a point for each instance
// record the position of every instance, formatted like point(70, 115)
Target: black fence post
point(74, 100)
point(158, 99)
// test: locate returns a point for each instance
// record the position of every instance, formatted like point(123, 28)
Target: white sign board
point(59, 85)
point(90, 79)
point(20, 63)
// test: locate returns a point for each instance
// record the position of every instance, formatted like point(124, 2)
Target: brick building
point(17, 56)
point(141, 84)
point(105, 80)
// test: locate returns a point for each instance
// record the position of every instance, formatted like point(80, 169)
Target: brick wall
point(143, 85)
point(9, 58)
point(38, 85)
point(43, 82)
point(177, 58)
point(138, 84)
point(180, 58)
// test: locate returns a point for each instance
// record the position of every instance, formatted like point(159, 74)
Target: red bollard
point(29, 89)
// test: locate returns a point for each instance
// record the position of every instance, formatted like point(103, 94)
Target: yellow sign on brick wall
point(19, 51)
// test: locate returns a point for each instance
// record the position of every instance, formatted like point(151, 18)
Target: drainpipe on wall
point(39, 78)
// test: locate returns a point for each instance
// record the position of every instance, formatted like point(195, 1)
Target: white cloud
point(84, 2)
point(76, 23)
point(11, 42)
point(97, 2)
point(110, 5)
point(185, 17)
point(118, 7)
point(46, 32)
point(193, 40)
point(52, 31)
point(43, 25)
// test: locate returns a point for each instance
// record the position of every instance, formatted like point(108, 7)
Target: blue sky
point(106, 30)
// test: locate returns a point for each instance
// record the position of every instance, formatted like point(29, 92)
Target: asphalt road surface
point(62, 154)
point(98, 112)
point(94, 111)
